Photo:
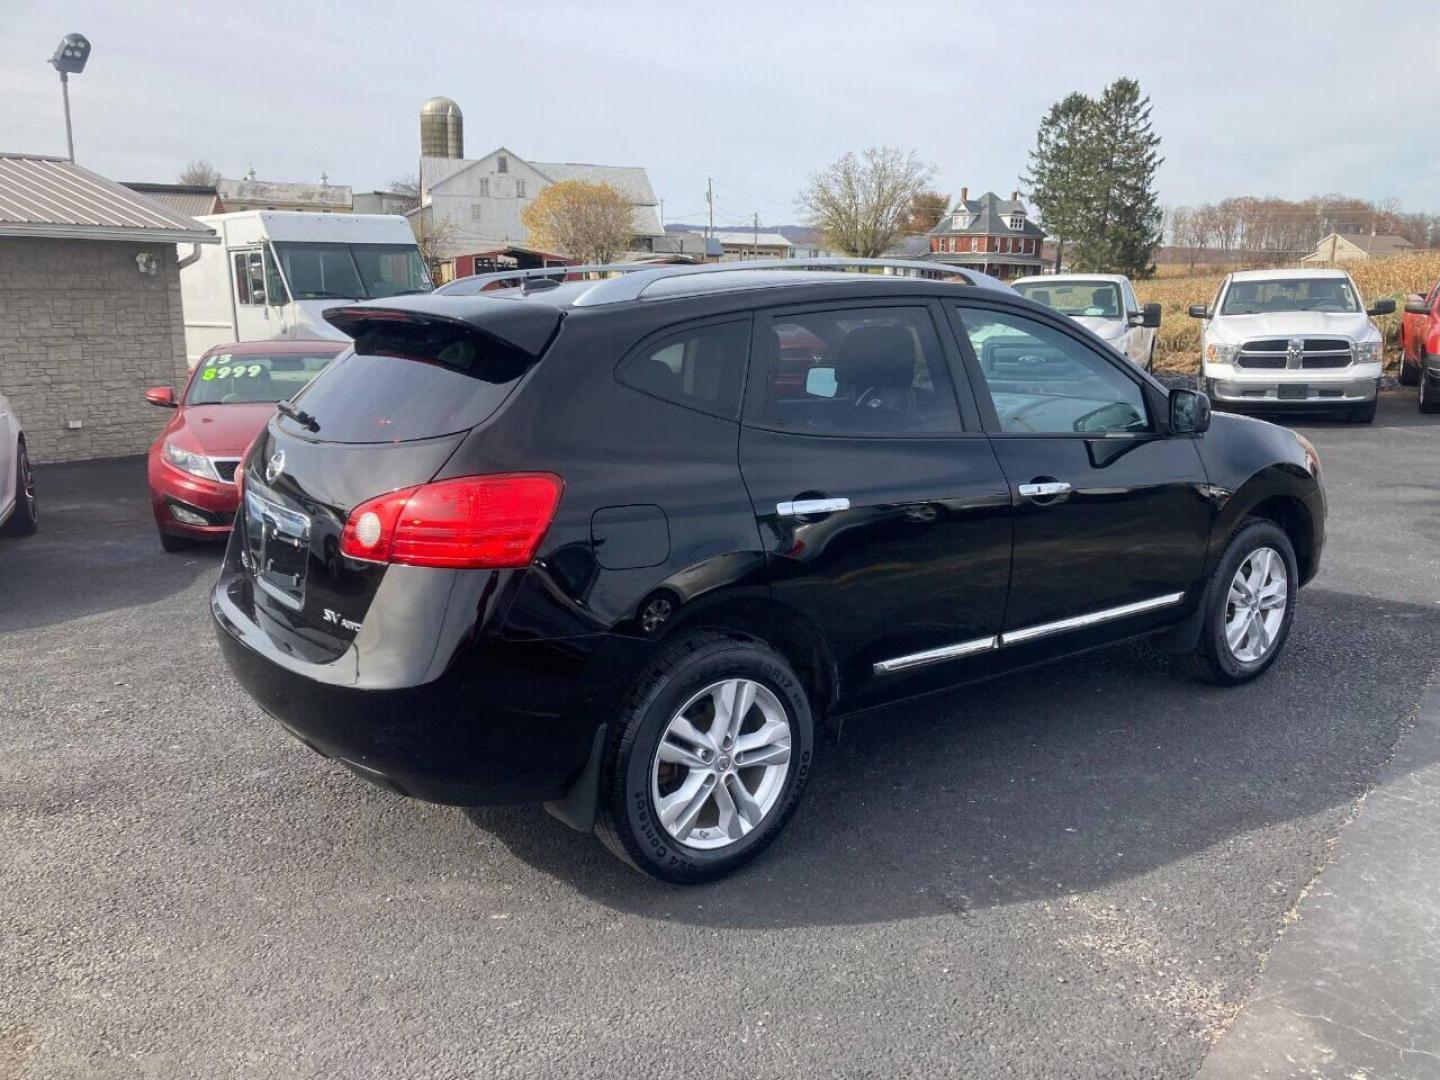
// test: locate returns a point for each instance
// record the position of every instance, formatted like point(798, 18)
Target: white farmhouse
point(480, 200)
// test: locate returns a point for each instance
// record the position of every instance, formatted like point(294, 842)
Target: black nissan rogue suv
point(620, 544)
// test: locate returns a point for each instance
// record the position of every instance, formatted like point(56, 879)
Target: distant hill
point(792, 233)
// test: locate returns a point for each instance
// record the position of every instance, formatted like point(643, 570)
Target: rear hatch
point(383, 418)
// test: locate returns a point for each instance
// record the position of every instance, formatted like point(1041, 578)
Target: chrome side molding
point(934, 656)
point(1016, 637)
point(1076, 622)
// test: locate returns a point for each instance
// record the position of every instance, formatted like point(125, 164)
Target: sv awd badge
point(336, 618)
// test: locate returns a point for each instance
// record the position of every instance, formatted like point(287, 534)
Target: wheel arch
point(782, 627)
point(1294, 518)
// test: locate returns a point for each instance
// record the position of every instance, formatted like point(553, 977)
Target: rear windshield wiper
point(299, 415)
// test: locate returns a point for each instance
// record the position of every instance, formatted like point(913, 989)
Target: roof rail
point(633, 283)
point(628, 281)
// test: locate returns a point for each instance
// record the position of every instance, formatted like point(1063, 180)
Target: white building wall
point(483, 205)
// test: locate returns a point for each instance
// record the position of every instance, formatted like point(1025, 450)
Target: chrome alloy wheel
point(1255, 607)
point(721, 764)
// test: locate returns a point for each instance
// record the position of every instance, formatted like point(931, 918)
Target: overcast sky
point(1260, 98)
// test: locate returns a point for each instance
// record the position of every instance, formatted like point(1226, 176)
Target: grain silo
point(442, 129)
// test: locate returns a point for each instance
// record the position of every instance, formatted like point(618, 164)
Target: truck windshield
point(351, 271)
point(1097, 299)
point(1289, 294)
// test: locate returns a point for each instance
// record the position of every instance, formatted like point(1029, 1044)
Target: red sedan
point(226, 402)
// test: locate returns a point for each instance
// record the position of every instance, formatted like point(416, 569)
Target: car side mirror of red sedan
point(164, 396)
point(1416, 307)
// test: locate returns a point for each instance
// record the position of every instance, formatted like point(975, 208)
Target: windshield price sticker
point(231, 371)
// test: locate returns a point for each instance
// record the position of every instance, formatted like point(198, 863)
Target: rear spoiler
point(526, 327)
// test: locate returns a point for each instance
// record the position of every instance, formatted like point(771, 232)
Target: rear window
point(411, 380)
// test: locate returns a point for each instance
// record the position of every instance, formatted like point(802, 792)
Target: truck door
point(255, 319)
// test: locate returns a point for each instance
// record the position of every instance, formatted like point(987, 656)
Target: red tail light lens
point(470, 522)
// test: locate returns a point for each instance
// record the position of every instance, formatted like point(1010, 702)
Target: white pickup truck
point(1292, 339)
point(1104, 303)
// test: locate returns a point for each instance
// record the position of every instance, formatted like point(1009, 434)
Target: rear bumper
point(507, 722)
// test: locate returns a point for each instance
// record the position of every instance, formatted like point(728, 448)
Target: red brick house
point(989, 234)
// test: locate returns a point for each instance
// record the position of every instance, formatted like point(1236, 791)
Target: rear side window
point(701, 367)
point(411, 380)
point(859, 371)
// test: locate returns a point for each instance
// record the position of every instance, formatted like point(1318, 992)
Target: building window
point(484, 187)
point(475, 209)
point(502, 164)
point(1017, 221)
point(519, 188)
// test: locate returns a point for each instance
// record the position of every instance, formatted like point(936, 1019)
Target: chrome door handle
point(1045, 490)
point(806, 507)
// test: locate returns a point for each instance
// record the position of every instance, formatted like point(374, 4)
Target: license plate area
point(1292, 393)
point(278, 542)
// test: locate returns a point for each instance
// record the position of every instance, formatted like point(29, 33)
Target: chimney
point(964, 194)
point(1014, 196)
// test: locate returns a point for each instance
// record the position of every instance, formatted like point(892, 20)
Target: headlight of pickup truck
point(1219, 353)
point(184, 460)
point(1369, 352)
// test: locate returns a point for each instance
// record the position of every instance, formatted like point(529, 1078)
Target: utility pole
point(69, 138)
point(710, 202)
point(755, 243)
point(662, 214)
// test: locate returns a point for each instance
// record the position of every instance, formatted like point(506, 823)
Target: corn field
point(1177, 342)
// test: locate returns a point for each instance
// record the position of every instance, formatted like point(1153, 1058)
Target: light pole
point(69, 59)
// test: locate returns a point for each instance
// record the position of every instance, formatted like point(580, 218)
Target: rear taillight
point(470, 522)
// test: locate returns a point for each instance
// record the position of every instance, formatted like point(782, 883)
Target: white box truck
point(275, 272)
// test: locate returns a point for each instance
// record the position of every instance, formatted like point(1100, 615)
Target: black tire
point(1362, 414)
point(25, 518)
point(1408, 375)
point(1212, 659)
point(1429, 397)
point(173, 544)
point(627, 821)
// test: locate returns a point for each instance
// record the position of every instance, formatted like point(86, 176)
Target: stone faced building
point(89, 307)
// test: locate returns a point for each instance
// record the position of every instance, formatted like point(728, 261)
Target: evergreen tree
point(1060, 168)
point(1092, 176)
point(1124, 217)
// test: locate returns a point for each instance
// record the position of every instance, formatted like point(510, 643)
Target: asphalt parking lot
point(1077, 874)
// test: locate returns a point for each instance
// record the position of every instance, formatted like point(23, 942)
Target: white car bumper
point(1355, 384)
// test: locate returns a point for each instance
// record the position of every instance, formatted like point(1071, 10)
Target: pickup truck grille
point(1277, 354)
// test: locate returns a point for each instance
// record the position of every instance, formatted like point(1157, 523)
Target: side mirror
point(164, 396)
point(1416, 307)
point(1148, 317)
point(1199, 311)
point(820, 382)
point(1189, 412)
point(1382, 307)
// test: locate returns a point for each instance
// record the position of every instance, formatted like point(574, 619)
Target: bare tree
point(409, 184)
point(589, 222)
point(435, 237)
point(200, 173)
point(861, 203)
